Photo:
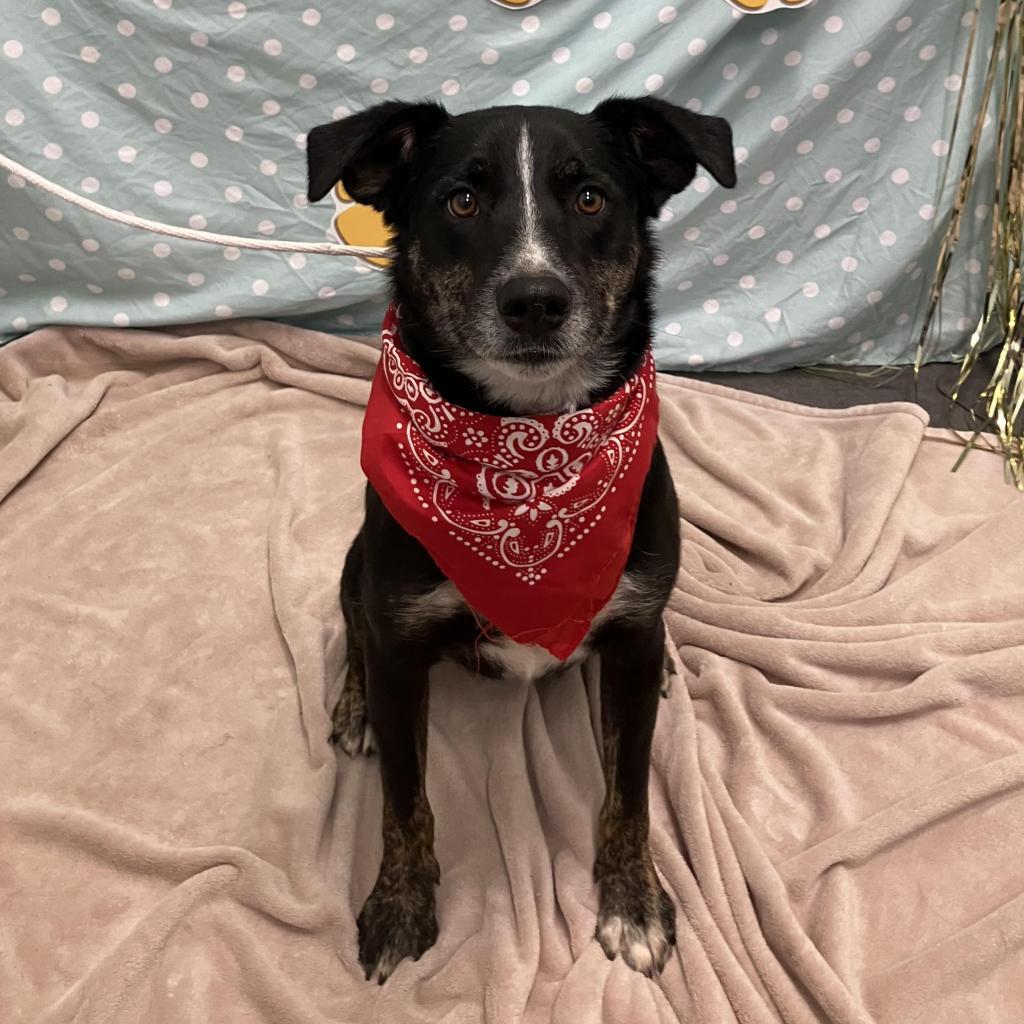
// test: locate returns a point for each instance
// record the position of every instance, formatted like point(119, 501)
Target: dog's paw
point(396, 923)
point(352, 732)
point(637, 920)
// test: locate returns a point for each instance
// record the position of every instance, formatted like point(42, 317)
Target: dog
point(523, 268)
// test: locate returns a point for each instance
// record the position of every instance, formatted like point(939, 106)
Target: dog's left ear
point(668, 142)
point(372, 152)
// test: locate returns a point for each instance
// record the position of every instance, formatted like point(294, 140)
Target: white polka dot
point(734, 338)
point(667, 14)
point(862, 58)
point(458, 23)
point(530, 23)
point(236, 9)
point(121, 320)
point(927, 52)
point(779, 123)
point(964, 324)
point(16, 181)
point(834, 25)
point(624, 51)
point(822, 231)
point(273, 47)
point(14, 117)
point(271, 107)
point(199, 39)
point(163, 65)
point(346, 52)
point(450, 87)
point(729, 206)
point(833, 175)
point(296, 261)
point(805, 147)
point(773, 315)
point(720, 260)
point(793, 58)
point(163, 5)
point(695, 47)
point(673, 328)
point(50, 16)
point(684, 286)
point(860, 204)
point(740, 153)
point(232, 193)
point(845, 116)
point(912, 114)
point(820, 91)
point(163, 187)
point(90, 119)
point(90, 184)
point(953, 83)
point(973, 266)
point(57, 265)
point(231, 253)
point(236, 73)
point(769, 37)
point(940, 147)
point(268, 167)
point(875, 297)
point(58, 303)
point(161, 250)
point(126, 91)
point(327, 292)
point(756, 232)
point(887, 84)
point(521, 87)
point(53, 151)
point(300, 141)
point(311, 17)
point(561, 55)
point(653, 83)
point(89, 54)
point(836, 323)
point(784, 256)
point(489, 56)
point(222, 310)
point(126, 274)
point(872, 145)
point(162, 125)
point(379, 85)
point(385, 21)
point(195, 279)
point(13, 49)
point(691, 234)
point(418, 55)
point(307, 81)
point(234, 133)
point(753, 92)
point(887, 238)
point(695, 360)
point(730, 71)
point(811, 289)
point(197, 221)
point(52, 85)
point(266, 227)
point(21, 234)
point(903, 24)
point(794, 203)
point(199, 100)
point(602, 20)
point(900, 176)
point(161, 299)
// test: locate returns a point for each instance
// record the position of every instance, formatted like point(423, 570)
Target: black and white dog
point(523, 265)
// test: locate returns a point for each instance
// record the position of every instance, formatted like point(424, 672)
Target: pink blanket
point(837, 792)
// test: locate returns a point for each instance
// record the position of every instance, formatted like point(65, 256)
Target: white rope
point(130, 220)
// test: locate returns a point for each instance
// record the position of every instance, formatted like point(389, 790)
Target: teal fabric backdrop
point(841, 111)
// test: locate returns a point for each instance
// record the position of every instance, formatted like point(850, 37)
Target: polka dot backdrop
point(841, 114)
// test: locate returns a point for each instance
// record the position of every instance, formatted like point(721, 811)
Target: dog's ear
point(371, 153)
point(667, 142)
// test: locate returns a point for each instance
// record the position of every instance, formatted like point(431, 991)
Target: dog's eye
point(590, 201)
point(462, 203)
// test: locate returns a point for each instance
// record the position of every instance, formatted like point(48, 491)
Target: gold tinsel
point(1001, 402)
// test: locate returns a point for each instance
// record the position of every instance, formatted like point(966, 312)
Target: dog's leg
point(352, 730)
point(398, 920)
point(636, 919)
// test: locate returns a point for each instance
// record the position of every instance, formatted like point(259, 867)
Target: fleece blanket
point(836, 790)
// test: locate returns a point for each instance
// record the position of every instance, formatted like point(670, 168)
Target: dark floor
point(835, 388)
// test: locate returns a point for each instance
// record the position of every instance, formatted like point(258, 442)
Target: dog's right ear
point(371, 153)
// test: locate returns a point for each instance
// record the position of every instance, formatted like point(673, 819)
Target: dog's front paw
point(352, 732)
point(397, 922)
point(637, 919)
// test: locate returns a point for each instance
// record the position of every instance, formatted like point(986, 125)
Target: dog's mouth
point(533, 352)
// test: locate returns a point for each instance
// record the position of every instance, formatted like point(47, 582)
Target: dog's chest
point(500, 656)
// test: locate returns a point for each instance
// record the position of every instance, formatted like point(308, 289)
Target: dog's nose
point(533, 305)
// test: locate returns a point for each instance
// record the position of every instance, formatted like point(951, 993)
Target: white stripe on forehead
point(529, 253)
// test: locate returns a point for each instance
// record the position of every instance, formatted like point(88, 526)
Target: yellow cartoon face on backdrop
point(355, 224)
point(764, 6)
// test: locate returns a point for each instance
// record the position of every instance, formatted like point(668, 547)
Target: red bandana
point(530, 517)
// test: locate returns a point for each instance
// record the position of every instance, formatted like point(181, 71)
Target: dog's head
point(522, 252)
